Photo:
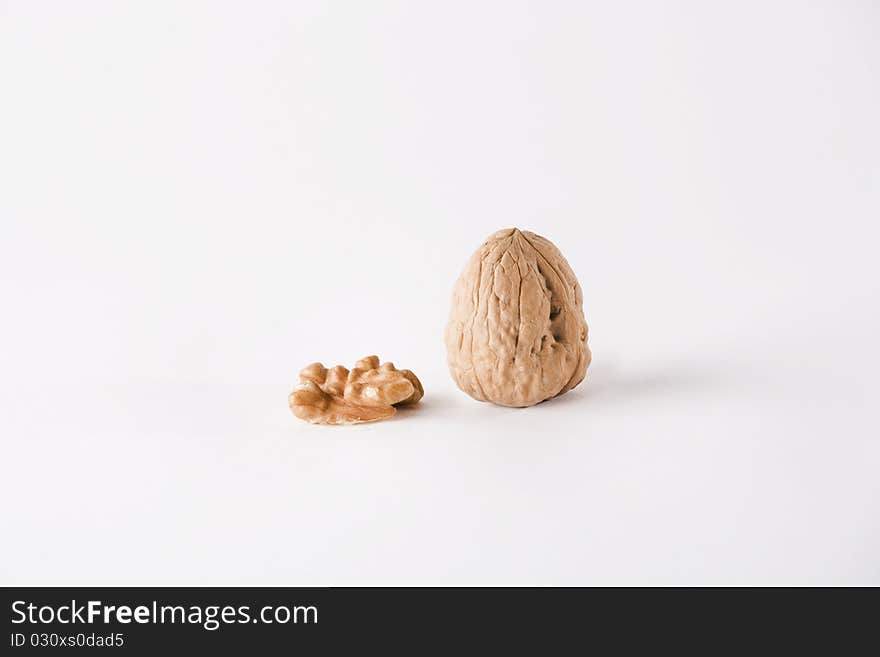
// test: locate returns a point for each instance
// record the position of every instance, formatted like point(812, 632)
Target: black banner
point(414, 620)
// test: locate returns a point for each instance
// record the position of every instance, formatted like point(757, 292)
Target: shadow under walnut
point(369, 392)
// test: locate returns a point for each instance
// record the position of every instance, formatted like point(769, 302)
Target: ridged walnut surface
point(367, 393)
point(516, 333)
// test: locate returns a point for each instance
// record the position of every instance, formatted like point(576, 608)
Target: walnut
point(516, 333)
point(367, 393)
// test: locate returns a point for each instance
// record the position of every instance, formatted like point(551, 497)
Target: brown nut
point(367, 393)
point(516, 333)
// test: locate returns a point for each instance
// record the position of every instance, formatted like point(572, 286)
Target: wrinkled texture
point(516, 333)
point(367, 393)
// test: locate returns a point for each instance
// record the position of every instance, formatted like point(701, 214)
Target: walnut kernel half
point(368, 393)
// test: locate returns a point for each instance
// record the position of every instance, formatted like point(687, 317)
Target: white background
point(199, 198)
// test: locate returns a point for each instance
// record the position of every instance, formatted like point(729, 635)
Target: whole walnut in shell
point(516, 333)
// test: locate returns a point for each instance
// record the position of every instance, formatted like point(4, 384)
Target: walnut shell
point(516, 333)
